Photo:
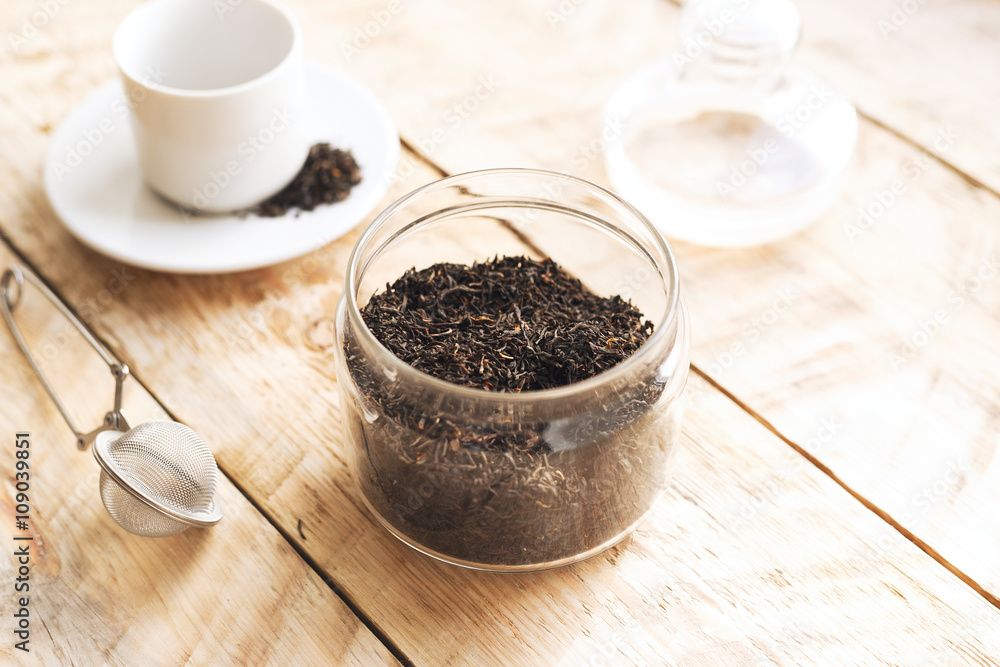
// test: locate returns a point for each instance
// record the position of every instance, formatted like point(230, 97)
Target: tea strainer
point(158, 478)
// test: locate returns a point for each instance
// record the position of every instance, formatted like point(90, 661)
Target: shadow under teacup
point(217, 97)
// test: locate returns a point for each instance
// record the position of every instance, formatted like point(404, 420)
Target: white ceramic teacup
point(217, 95)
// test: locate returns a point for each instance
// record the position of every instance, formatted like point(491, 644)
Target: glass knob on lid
point(722, 143)
point(747, 41)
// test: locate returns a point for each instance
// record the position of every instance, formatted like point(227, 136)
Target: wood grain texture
point(753, 557)
point(885, 326)
point(234, 594)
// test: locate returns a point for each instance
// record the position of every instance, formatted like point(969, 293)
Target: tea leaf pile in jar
point(495, 492)
point(512, 324)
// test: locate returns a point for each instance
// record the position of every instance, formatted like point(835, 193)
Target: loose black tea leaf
point(511, 324)
point(327, 177)
point(506, 489)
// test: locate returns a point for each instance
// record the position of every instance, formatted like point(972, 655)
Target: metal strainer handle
point(157, 478)
point(9, 300)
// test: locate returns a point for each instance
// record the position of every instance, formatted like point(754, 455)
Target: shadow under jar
point(513, 481)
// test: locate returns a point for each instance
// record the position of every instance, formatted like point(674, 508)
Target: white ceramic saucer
point(92, 179)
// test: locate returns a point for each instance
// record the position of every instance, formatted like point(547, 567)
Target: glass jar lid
point(722, 143)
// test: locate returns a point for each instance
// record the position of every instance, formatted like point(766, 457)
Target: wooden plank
point(829, 324)
point(917, 67)
point(480, 97)
point(237, 593)
point(754, 555)
point(892, 337)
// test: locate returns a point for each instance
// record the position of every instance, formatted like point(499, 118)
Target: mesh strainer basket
point(158, 478)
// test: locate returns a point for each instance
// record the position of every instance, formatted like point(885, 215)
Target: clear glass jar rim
point(507, 398)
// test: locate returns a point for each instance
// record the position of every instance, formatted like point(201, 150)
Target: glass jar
point(510, 481)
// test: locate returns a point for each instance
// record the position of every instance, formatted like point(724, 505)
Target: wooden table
point(837, 497)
